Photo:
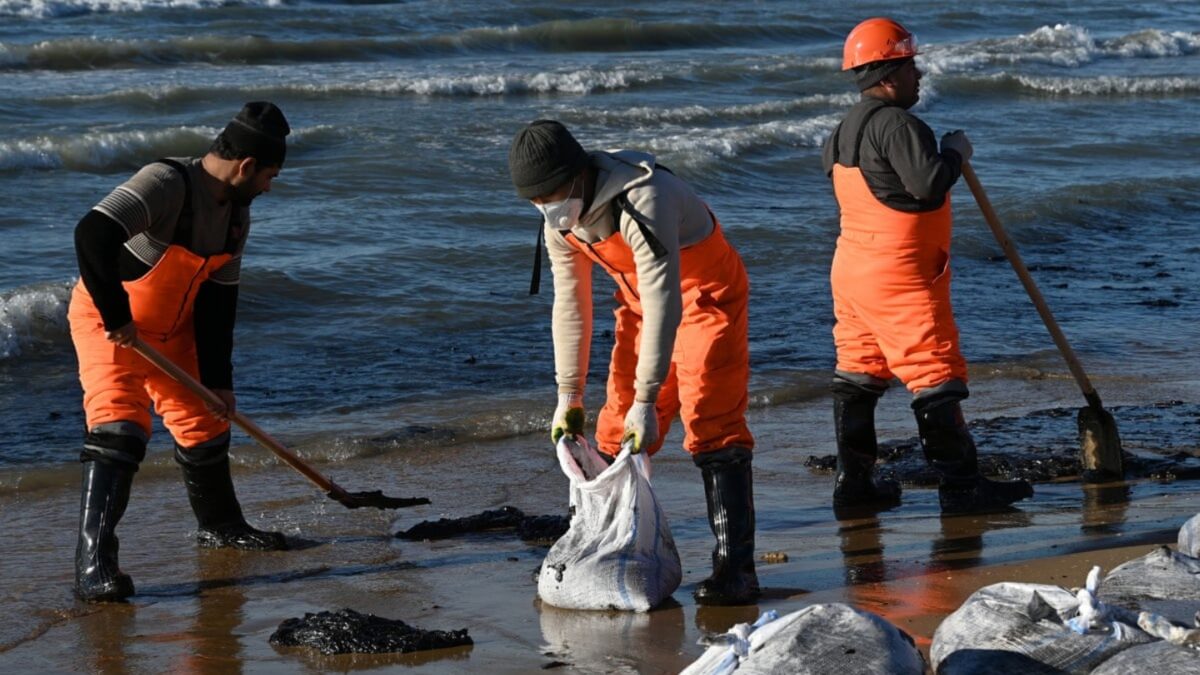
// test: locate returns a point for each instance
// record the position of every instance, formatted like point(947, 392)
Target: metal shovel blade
point(374, 499)
point(1101, 456)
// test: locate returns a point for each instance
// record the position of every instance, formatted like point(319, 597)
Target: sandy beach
point(213, 611)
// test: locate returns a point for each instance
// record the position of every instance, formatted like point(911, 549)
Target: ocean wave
point(700, 113)
point(1108, 85)
point(33, 315)
point(701, 147)
point(53, 9)
point(108, 150)
point(588, 35)
point(1063, 45)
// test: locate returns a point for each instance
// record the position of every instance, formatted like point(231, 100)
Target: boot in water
point(218, 513)
point(856, 484)
point(729, 493)
point(948, 446)
point(102, 502)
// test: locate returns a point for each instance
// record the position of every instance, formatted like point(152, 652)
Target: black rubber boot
point(729, 491)
point(102, 502)
point(856, 484)
point(210, 491)
point(949, 448)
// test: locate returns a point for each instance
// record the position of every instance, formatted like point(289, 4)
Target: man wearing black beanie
point(891, 280)
point(682, 344)
point(160, 259)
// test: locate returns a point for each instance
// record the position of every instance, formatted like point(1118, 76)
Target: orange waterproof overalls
point(118, 384)
point(891, 289)
point(708, 383)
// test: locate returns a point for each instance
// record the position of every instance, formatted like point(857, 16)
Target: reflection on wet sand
point(717, 620)
point(104, 638)
point(213, 646)
point(1105, 508)
point(609, 642)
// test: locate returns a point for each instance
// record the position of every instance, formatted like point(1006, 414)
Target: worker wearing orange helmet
point(891, 279)
point(682, 344)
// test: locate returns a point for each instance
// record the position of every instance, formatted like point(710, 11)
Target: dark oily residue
point(348, 632)
point(1161, 442)
point(535, 529)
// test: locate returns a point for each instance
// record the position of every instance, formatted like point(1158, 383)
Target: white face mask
point(562, 214)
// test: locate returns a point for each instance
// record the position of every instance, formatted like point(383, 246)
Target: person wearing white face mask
point(681, 323)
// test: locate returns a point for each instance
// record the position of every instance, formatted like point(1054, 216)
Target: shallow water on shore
point(213, 611)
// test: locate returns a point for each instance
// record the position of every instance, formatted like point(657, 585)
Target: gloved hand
point(641, 426)
point(568, 416)
point(958, 142)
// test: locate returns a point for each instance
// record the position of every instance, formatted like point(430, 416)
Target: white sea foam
point(700, 113)
point(32, 314)
point(47, 9)
point(1063, 45)
point(699, 147)
point(101, 150)
point(1108, 85)
point(582, 81)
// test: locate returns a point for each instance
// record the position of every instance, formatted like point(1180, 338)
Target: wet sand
point(213, 611)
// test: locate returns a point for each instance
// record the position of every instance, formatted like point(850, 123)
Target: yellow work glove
point(641, 426)
point(568, 416)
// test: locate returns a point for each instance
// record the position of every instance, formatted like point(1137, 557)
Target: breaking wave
point(108, 150)
point(51, 9)
point(700, 147)
point(33, 315)
point(1062, 45)
point(588, 35)
point(1108, 85)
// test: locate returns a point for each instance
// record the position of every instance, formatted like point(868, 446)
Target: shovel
point(1100, 443)
point(352, 500)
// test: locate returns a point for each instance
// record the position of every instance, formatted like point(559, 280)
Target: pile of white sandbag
point(618, 553)
point(1141, 618)
point(828, 639)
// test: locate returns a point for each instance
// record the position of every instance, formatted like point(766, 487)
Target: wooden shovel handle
point(1010, 251)
point(181, 376)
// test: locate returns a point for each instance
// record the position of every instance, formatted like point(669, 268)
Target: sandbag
point(1162, 581)
point(1189, 537)
point(826, 639)
point(618, 552)
point(1026, 628)
point(1159, 658)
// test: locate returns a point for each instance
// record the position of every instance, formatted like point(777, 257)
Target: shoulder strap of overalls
point(621, 203)
point(183, 226)
point(535, 282)
point(862, 130)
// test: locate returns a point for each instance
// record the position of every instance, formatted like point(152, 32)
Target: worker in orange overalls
point(891, 279)
point(682, 345)
point(160, 259)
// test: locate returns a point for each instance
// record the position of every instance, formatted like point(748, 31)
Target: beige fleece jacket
point(675, 216)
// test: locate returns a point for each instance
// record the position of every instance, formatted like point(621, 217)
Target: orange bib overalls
point(118, 384)
point(708, 382)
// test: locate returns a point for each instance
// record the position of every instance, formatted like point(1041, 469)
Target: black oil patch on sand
point(349, 632)
point(534, 529)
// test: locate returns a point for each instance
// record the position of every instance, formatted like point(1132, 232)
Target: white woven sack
point(618, 552)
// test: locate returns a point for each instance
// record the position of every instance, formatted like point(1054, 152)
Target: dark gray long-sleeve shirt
point(898, 156)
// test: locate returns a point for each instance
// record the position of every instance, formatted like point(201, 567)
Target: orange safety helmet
point(877, 39)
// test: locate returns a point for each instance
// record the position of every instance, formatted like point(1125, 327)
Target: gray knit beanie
point(259, 130)
point(543, 156)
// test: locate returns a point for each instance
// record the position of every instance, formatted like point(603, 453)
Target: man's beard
point(244, 194)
